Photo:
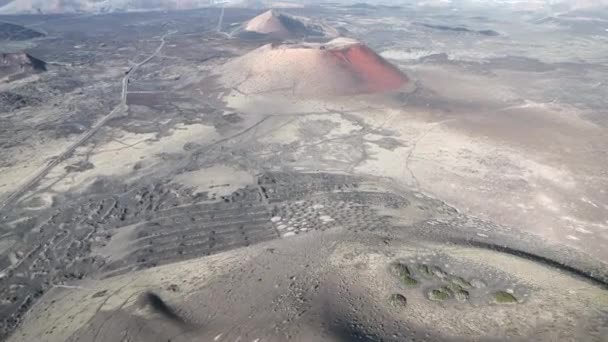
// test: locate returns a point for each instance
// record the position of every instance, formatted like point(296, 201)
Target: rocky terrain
point(18, 65)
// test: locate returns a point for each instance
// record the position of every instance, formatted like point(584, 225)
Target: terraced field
point(161, 223)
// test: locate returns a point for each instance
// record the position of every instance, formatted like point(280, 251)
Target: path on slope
point(121, 107)
point(220, 22)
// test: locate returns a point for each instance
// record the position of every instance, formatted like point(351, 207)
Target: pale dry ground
point(121, 154)
point(218, 180)
point(535, 167)
point(26, 163)
point(25, 160)
point(302, 286)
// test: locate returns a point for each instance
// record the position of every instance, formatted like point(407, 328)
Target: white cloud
point(67, 6)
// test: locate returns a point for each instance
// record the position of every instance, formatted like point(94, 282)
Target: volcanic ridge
point(340, 67)
point(18, 65)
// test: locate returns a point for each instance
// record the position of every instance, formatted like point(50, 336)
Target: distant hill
point(280, 25)
point(459, 29)
point(15, 32)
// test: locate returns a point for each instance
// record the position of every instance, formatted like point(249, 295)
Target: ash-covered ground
point(159, 182)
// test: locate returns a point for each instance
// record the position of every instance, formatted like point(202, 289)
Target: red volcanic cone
point(340, 67)
point(376, 73)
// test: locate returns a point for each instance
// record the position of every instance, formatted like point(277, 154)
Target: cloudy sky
point(57, 6)
point(62, 6)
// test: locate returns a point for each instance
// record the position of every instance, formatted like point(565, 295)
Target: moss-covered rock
point(403, 273)
point(409, 281)
point(461, 295)
point(438, 272)
point(399, 269)
point(425, 270)
point(397, 300)
point(461, 282)
point(439, 295)
point(503, 297)
point(454, 287)
point(477, 283)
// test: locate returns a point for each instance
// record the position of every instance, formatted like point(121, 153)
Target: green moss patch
point(461, 282)
point(503, 297)
point(409, 281)
point(403, 273)
point(439, 295)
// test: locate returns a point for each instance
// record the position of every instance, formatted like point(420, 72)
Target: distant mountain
point(459, 29)
point(15, 32)
point(275, 24)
